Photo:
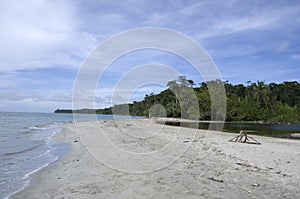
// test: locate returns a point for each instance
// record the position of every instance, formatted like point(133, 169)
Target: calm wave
point(26, 145)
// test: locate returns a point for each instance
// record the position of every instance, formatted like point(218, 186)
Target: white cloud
point(37, 95)
point(7, 84)
point(35, 100)
point(237, 17)
point(38, 34)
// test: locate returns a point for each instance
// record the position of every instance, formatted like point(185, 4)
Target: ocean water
point(26, 145)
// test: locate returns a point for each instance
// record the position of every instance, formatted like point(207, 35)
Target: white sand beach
point(166, 162)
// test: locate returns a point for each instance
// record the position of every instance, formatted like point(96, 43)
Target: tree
point(186, 101)
point(253, 102)
point(260, 93)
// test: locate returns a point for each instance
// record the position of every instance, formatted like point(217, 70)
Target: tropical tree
point(260, 93)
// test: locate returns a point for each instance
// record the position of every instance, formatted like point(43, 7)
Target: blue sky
point(43, 44)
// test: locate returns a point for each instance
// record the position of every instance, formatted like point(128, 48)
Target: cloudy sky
point(45, 42)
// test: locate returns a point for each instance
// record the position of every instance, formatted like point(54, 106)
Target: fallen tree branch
point(244, 138)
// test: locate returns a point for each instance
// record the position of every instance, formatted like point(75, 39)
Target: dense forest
point(257, 101)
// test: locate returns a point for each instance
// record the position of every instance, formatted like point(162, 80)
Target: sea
point(26, 145)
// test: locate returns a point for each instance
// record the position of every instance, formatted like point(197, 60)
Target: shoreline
point(63, 148)
point(27, 148)
point(174, 119)
point(212, 167)
point(56, 148)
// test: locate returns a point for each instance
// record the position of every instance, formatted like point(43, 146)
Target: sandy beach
point(142, 159)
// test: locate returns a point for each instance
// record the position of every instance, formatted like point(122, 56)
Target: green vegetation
point(255, 102)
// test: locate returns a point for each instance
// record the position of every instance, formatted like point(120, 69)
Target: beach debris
point(243, 164)
point(276, 162)
point(215, 179)
point(186, 141)
point(278, 172)
point(244, 138)
point(255, 185)
point(282, 174)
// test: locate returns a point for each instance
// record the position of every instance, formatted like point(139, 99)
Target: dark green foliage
point(255, 102)
point(63, 111)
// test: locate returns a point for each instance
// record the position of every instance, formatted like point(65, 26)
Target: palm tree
point(260, 93)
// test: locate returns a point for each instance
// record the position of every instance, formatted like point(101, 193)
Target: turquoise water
point(26, 145)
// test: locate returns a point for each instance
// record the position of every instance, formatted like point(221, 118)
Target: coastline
point(27, 147)
point(211, 168)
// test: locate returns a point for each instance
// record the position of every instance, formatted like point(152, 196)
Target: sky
point(44, 44)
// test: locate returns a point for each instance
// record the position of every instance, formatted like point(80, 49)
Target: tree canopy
point(255, 101)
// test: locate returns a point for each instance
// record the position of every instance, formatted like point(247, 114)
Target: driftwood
point(244, 138)
point(217, 180)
